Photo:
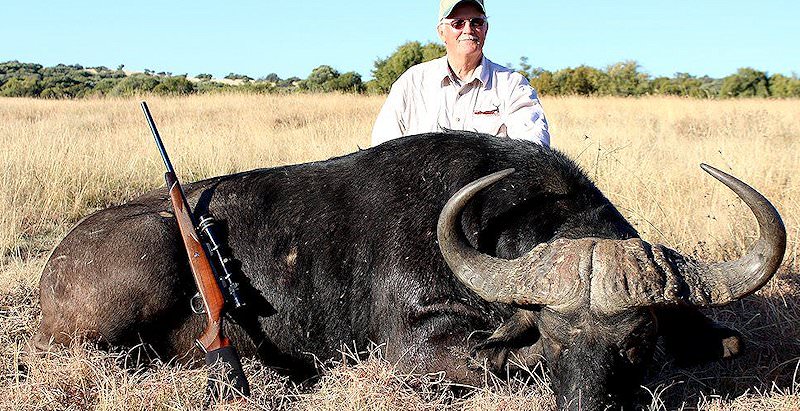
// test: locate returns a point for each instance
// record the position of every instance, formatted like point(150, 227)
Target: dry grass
point(63, 159)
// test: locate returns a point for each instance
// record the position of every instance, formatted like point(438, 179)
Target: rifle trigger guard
point(196, 304)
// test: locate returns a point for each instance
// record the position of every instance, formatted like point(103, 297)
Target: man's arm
point(525, 116)
point(390, 123)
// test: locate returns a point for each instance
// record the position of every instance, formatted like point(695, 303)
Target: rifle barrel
point(157, 137)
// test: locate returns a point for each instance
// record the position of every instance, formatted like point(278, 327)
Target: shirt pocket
point(488, 120)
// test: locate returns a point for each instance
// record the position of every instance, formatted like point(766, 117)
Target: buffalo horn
point(547, 275)
point(725, 282)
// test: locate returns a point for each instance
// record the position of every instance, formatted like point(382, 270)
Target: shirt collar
point(482, 72)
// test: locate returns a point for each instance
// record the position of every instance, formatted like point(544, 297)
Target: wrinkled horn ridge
point(729, 281)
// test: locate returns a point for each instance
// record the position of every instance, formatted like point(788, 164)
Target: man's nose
point(468, 28)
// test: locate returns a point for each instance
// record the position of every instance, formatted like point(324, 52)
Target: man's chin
point(469, 49)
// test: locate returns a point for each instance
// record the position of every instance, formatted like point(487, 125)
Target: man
point(462, 90)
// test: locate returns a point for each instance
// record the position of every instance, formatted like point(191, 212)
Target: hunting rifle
point(214, 289)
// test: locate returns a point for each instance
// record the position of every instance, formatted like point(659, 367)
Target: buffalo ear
point(692, 338)
point(517, 332)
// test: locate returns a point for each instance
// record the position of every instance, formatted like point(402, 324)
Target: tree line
point(620, 79)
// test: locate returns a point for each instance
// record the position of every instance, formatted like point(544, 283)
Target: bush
point(21, 87)
point(175, 86)
point(104, 86)
point(542, 81)
point(683, 84)
point(747, 82)
point(347, 82)
point(289, 83)
point(214, 87)
point(258, 87)
point(583, 80)
point(783, 86)
point(620, 79)
point(17, 69)
point(135, 84)
point(327, 79)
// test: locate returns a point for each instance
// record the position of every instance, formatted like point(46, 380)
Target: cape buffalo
point(363, 248)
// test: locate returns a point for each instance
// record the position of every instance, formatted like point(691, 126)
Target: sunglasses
point(458, 24)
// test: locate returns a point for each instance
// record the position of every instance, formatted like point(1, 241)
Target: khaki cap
point(446, 6)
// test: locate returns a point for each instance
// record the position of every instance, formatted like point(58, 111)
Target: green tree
point(710, 88)
point(525, 69)
point(21, 87)
point(234, 76)
point(17, 69)
point(582, 80)
point(289, 83)
point(624, 79)
point(542, 81)
point(64, 86)
point(682, 84)
point(747, 82)
point(104, 86)
point(272, 78)
point(347, 82)
point(662, 86)
point(321, 78)
point(327, 79)
point(432, 51)
point(388, 70)
point(204, 76)
point(783, 86)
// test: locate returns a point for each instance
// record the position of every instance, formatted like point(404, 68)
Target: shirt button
point(458, 119)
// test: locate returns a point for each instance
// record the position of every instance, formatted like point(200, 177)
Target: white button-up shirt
point(428, 97)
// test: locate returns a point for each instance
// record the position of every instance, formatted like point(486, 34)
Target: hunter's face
point(464, 31)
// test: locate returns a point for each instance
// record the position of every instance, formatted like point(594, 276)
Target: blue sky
point(290, 38)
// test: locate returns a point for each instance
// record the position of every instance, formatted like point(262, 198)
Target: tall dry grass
point(61, 160)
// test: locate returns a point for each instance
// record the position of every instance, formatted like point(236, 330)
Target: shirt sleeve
point(390, 124)
point(525, 116)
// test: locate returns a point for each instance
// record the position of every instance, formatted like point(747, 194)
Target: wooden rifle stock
point(212, 341)
point(204, 277)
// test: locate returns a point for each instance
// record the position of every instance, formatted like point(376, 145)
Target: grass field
point(61, 160)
